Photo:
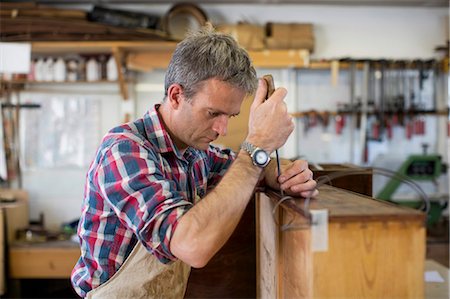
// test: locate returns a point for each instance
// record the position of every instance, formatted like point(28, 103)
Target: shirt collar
point(157, 134)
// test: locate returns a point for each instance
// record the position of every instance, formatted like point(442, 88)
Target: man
point(159, 198)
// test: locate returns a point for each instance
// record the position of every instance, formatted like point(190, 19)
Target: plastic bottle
point(92, 70)
point(39, 70)
point(111, 69)
point(59, 70)
point(48, 69)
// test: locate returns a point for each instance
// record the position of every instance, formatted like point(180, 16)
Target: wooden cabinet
point(43, 260)
point(231, 273)
point(374, 249)
point(359, 182)
point(13, 216)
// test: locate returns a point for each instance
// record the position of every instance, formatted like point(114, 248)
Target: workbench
point(434, 288)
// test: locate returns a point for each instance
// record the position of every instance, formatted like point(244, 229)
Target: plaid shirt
point(137, 188)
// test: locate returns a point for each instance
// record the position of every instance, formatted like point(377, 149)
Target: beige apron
point(143, 276)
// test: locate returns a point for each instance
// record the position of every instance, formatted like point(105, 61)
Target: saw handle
point(270, 85)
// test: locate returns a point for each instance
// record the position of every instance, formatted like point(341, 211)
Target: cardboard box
point(289, 36)
point(249, 36)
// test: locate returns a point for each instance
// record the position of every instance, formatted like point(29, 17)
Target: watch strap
point(248, 147)
point(252, 150)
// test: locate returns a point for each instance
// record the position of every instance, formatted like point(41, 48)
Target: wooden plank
point(28, 262)
point(148, 61)
point(58, 28)
point(268, 286)
point(279, 58)
point(101, 46)
point(11, 5)
point(43, 13)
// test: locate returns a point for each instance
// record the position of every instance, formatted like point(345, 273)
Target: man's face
point(205, 116)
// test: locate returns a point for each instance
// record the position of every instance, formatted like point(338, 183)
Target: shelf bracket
point(118, 54)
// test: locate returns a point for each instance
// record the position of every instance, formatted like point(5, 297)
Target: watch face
point(261, 157)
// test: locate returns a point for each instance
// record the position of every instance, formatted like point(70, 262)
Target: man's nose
point(220, 125)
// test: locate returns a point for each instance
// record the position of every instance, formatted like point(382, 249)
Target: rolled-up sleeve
point(131, 180)
point(219, 160)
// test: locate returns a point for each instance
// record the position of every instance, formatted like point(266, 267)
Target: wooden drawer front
point(42, 262)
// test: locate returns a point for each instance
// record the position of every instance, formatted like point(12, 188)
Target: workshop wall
point(342, 31)
point(57, 191)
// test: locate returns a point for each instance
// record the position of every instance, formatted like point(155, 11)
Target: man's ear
point(175, 95)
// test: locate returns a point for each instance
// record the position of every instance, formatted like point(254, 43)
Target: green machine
point(418, 168)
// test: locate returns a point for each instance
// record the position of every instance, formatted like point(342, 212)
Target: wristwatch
point(259, 156)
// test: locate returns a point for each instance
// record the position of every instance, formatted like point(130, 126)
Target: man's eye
point(213, 114)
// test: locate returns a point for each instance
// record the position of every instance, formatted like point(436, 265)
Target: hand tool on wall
point(353, 116)
point(364, 100)
point(340, 123)
point(419, 121)
point(270, 91)
point(384, 94)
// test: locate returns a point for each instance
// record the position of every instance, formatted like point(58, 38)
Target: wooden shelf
point(24, 81)
point(85, 47)
point(119, 49)
point(145, 56)
point(148, 60)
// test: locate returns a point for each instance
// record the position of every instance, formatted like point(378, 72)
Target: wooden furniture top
point(347, 206)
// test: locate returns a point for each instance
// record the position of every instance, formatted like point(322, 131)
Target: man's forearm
point(205, 228)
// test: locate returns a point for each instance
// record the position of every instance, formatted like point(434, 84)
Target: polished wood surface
point(361, 183)
point(375, 249)
point(347, 206)
point(295, 254)
point(267, 238)
point(372, 260)
point(231, 273)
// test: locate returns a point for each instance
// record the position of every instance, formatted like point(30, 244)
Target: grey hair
point(207, 54)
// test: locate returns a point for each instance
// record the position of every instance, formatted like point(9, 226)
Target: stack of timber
point(27, 21)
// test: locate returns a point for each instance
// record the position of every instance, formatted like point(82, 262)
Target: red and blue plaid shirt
point(137, 188)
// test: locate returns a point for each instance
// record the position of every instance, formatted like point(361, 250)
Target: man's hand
point(296, 178)
point(269, 122)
